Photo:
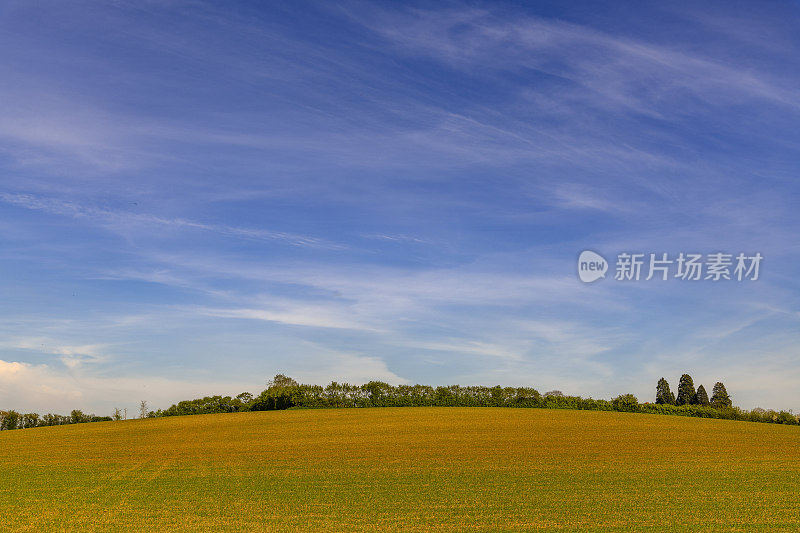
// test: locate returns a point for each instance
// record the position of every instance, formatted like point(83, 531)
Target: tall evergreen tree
point(663, 394)
point(719, 396)
point(701, 397)
point(686, 393)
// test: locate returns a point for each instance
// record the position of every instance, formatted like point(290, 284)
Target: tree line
point(687, 395)
point(283, 392)
point(15, 420)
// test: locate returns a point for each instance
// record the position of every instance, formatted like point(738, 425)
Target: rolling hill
point(410, 469)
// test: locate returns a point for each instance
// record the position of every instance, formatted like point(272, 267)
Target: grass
point(410, 469)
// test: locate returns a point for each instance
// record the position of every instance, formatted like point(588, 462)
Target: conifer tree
point(701, 397)
point(686, 392)
point(663, 393)
point(719, 396)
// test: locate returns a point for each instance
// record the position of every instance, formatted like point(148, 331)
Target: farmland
point(410, 469)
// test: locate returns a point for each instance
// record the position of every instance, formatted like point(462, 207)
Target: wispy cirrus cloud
point(294, 315)
point(611, 66)
point(129, 219)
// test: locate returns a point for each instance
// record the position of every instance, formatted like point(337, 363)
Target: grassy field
point(410, 469)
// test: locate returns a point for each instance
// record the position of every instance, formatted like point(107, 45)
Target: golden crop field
point(409, 469)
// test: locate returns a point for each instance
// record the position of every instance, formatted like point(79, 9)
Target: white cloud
point(297, 315)
point(317, 364)
point(71, 356)
point(469, 347)
point(45, 388)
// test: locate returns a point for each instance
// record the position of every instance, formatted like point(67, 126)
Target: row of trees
point(283, 392)
point(687, 395)
point(15, 420)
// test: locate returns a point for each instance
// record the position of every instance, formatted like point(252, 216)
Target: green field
point(410, 469)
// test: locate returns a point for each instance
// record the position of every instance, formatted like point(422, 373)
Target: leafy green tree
point(663, 393)
point(245, 398)
point(626, 403)
point(379, 391)
point(9, 419)
point(54, 420)
point(281, 381)
point(30, 420)
point(701, 397)
point(719, 396)
point(686, 392)
point(497, 396)
point(282, 393)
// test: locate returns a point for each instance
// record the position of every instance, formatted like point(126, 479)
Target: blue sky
point(195, 196)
